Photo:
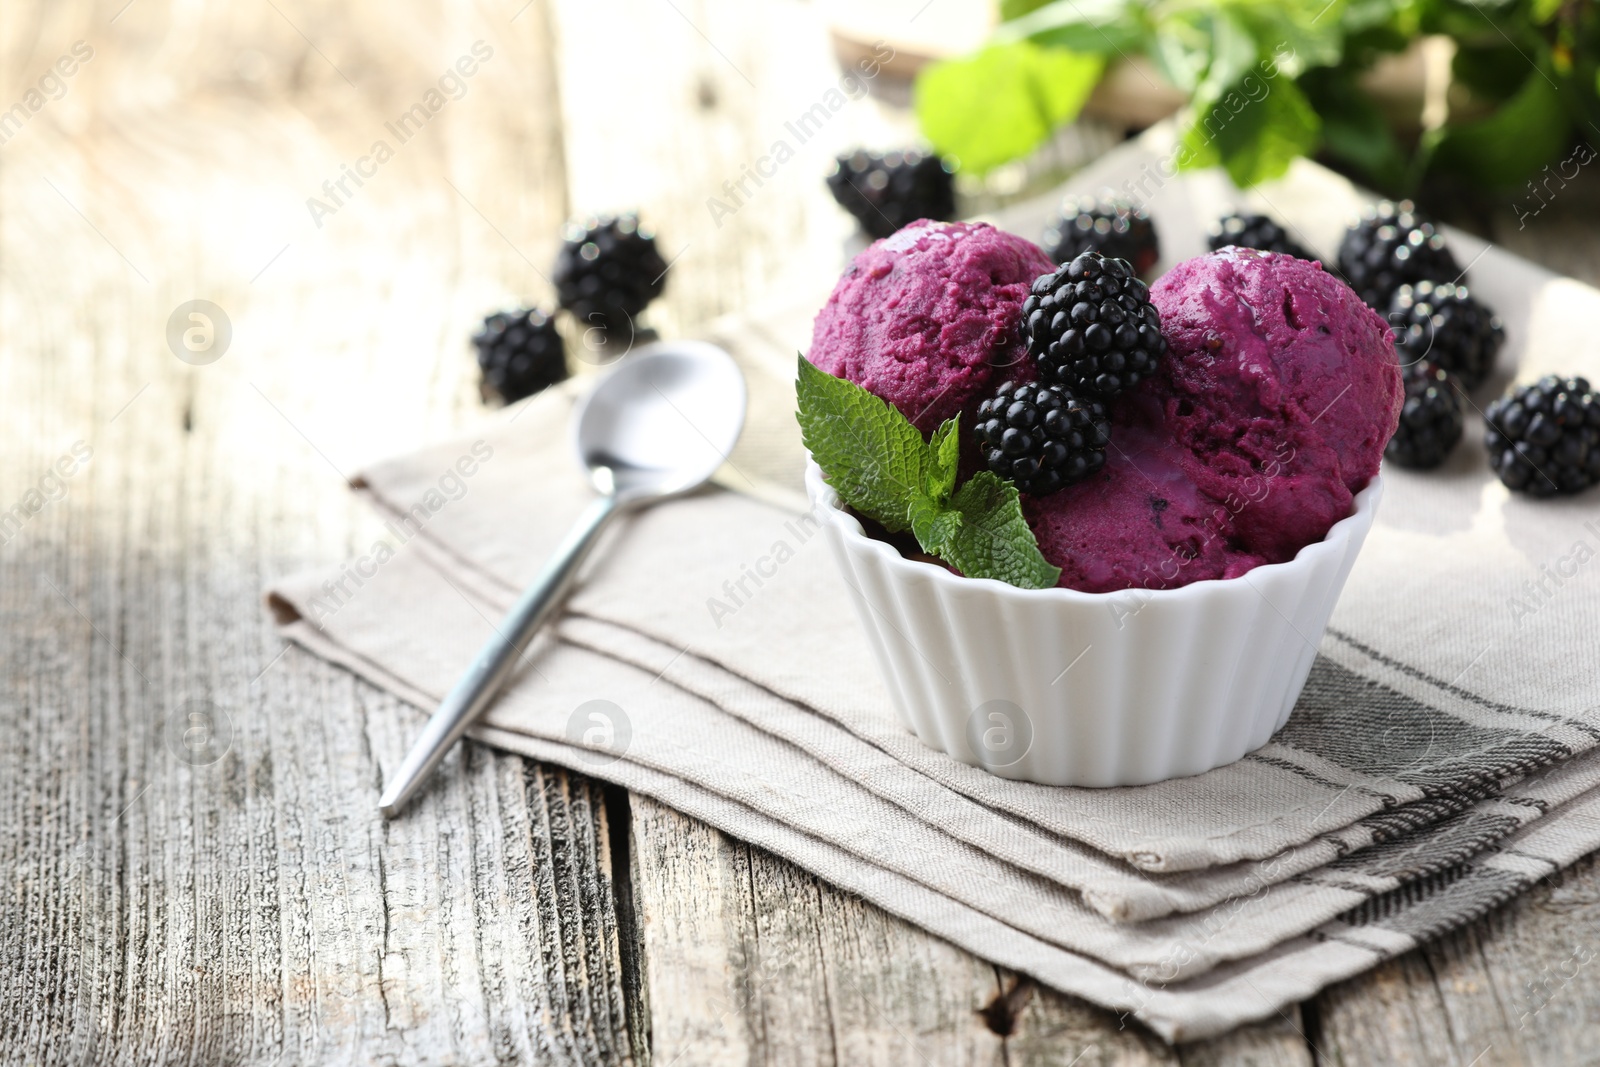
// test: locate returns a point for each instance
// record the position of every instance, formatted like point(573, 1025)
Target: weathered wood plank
point(253, 910)
point(1519, 987)
point(752, 960)
point(158, 906)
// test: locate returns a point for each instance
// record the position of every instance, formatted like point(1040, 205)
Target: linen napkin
point(744, 756)
point(1439, 760)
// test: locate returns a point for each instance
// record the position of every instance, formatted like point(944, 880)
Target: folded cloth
point(672, 730)
point(1055, 866)
point(1441, 758)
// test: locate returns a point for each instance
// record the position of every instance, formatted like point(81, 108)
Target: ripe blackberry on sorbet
point(885, 191)
point(1544, 438)
point(1430, 418)
point(1446, 325)
point(1091, 328)
point(1041, 438)
point(1114, 228)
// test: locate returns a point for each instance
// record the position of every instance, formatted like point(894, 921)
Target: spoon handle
point(482, 681)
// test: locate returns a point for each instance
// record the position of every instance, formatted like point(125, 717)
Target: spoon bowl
point(662, 422)
point(658, 425)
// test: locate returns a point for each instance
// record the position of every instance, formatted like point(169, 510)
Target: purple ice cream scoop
point(1246, 445)
point(1283, 387)
point(1249, 441)
point(1140, 521)
point(927, 318)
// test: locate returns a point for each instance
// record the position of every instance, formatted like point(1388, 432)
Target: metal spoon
point(658, 425)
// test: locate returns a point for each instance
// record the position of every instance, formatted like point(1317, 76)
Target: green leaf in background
point(879, 465)
point(1255, 135)
point(1012, 10)
point(1360, 16)
point(1354, 130)
point(1203, 51)
point(1178, 49)
point(874, 458)
point(1493, 70)
point(1534, 120)
point(1542, 11)
point(1093, 27)
point(997, 105)
point(1233, 52)
point(1015, 9)
point(988, 536)
point(1000, 104)
point(1297, 34)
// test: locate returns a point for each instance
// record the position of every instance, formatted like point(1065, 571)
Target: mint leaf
point(1354, 128)
point(873, 457)
point(1233, 54)
point(1299, 34)
point(1255, 130)
point(1093, 27)
point(1001, 103)
point(1015, 9)
point(944, 455)
point(934, 524)
point(879, 465)
point(1534, 120)
point(983, 534)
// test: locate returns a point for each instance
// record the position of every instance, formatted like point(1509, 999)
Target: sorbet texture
point(1278, 372)
point(927, 319)
point(1248, 443)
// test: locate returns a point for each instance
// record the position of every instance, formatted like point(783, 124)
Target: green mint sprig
point(879, 464)
point(1268, 82)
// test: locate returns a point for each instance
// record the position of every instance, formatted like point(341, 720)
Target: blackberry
point(885, 192)
point(1041, 438)
point(1444, 324)
point(1430, 419)
point(1091, 328)
point(1114, 228)
point(1544, 438)
point(1254, 231)
point(1390, 247)
point(608, 269)
point(520, 353)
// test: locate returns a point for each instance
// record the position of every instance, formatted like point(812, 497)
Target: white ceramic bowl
point(1093, 689)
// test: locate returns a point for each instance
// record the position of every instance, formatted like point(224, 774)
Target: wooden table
point(255, 909)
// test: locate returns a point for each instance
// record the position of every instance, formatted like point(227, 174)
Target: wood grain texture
point(254, 910)
point(158, 905)
point(751, 960)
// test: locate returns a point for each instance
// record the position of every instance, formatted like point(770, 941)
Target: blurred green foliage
point(1270, 80)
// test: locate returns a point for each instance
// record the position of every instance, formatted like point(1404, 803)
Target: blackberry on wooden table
point(1254, 231)
point(1446, 325)
point(1391, 246)
point(520, 353)
point(607, 271)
